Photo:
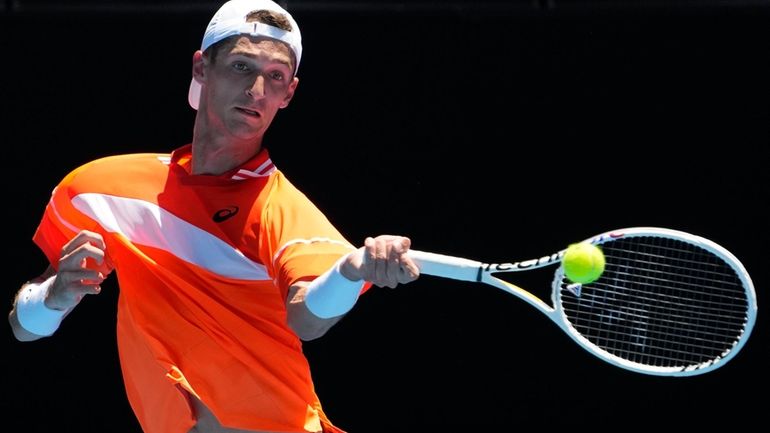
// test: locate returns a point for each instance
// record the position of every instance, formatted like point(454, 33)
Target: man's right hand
point(83, 267)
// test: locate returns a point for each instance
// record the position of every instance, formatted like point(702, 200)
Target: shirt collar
point(259, 166)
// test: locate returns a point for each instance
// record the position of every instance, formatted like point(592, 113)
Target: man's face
point(246, 85)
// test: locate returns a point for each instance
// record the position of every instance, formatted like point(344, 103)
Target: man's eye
point(276, 76)
point(240, 66)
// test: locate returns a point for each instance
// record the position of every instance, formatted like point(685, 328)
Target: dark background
point(498, 131)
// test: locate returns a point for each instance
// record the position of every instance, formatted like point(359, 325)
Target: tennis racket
point(669, 303)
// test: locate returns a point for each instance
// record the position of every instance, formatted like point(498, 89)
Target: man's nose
point(257, 89)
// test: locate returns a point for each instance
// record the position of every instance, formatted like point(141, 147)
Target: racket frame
point(475, 271)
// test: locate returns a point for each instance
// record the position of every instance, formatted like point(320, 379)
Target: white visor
point(230, 20)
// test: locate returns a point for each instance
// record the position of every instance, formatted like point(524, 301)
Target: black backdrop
point(481, 132)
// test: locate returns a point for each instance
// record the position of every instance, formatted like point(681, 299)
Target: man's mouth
point(247, 111)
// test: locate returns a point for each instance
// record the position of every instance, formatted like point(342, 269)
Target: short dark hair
point(270, 18)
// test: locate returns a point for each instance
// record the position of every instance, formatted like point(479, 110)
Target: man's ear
point(290, 92)
point(198, 69)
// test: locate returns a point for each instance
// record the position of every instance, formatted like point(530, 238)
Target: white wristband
point(32, 313)
point(331, 294)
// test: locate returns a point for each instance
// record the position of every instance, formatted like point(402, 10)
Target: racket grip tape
point(446, 266)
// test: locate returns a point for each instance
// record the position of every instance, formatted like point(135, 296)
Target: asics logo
point(224, 214)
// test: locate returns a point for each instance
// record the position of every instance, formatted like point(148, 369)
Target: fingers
point(77, 258)
point(386, 263)
point(86, 249)
point(83, 266)
point(85, 237)
point(409, 269)
point(81, 276)
point(70, 287)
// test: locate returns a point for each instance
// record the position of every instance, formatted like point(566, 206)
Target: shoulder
point(126, 161)
point(280, 181)
point(283, 191)
point(116, 169)
point(117, 161)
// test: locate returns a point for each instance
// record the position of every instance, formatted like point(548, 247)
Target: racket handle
point(446, 266)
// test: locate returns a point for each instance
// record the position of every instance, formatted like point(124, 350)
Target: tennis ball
point(583, 263)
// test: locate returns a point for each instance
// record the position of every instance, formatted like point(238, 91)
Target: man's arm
point(41, 304)
point(383, 261)
point(305, 324)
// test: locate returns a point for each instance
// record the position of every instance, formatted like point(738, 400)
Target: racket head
point(668, 303)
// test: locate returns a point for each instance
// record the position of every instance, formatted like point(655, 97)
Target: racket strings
point(635, 314)
point(660, 302)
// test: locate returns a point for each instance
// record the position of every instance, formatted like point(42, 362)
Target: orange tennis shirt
point(203, 264)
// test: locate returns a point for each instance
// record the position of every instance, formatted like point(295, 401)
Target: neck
point(215, 153)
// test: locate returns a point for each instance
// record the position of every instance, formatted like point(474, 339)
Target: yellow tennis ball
point(583, 263)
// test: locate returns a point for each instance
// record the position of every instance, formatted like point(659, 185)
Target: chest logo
point(223, 214)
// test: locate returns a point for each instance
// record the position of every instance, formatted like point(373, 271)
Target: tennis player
point(224, 266)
